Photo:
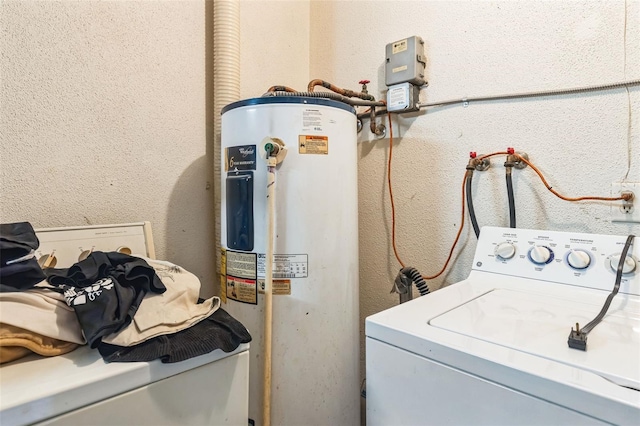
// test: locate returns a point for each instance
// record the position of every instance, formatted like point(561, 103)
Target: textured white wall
point(473, 49)
point(103, 120)
point(106, 112)
point(274, 36)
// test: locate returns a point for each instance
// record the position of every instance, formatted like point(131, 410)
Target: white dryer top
point(35, 388)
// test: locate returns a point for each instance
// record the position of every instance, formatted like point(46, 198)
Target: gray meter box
point(405, 62)
point(403, 97)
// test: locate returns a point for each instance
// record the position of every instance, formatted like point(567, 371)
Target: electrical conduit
point(329, 95)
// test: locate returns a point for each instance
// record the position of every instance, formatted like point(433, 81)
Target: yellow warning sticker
point(242, 290)
point(311, 144)
point(241, 269)
point(398, 69)
point(223, 275)
point(280, 287)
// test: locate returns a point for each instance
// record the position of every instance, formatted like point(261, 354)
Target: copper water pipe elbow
point(326, 85)
point(338, 90)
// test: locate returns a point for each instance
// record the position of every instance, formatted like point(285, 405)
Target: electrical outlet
point(626, 211)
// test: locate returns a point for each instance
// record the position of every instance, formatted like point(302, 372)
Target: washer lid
point(539, 324)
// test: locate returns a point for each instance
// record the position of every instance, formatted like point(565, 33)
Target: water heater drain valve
point(273, 148)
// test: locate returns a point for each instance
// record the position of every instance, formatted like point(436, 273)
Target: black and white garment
point(19, 269)
point(105, 291)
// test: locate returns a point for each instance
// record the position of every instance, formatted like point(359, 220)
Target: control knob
point(578, 259)
point(628, 267)
point(505, 251)
point(540, 255)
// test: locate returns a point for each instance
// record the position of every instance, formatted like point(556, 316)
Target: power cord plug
point(577, 339)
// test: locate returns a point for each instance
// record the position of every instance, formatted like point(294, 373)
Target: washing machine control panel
point(587, 260)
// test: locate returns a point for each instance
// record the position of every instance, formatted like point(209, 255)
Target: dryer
point(493, 349)
point(79, 388)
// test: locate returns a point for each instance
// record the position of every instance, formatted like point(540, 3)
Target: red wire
point(393, 207)
point(462, 215)
point(393, 211)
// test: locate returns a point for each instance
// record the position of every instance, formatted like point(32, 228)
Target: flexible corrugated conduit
point(328, 95)
point(226, 82)
point(417, 279)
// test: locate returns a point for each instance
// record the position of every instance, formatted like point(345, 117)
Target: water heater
point(315, 355)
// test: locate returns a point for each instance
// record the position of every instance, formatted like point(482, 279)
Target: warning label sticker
point(312, 120)
point(285, 265)
point(398, 97)
point(241, 265)
point(308, 144)
point(238, 273)
point(242, 290)
point(280, 287)
point(223, 275)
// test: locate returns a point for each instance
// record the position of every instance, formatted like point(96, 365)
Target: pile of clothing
point(130, 308)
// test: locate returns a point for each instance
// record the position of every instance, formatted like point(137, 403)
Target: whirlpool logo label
point(246, 151)
point(239, 158)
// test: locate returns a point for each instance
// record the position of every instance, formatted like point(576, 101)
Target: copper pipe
point(372, 122)
point(344, 92)
point(325, 84)
point(624, 197)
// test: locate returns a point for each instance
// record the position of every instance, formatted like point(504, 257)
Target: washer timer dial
point(505, 251)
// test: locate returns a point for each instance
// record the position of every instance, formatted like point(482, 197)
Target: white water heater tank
point(315, 355)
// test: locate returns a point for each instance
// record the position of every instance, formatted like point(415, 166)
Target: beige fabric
point(14, 341)
point(11, 353)
point(174, 310)
point(41, 311)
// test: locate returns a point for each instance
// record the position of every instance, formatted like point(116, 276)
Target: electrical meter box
point(405, 62)
point(403, 97)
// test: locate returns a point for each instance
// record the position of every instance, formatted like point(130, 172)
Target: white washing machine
point(79, 388)
point(492, 349)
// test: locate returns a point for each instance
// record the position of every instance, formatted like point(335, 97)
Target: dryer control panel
point(586, 260)
point(62, 247)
